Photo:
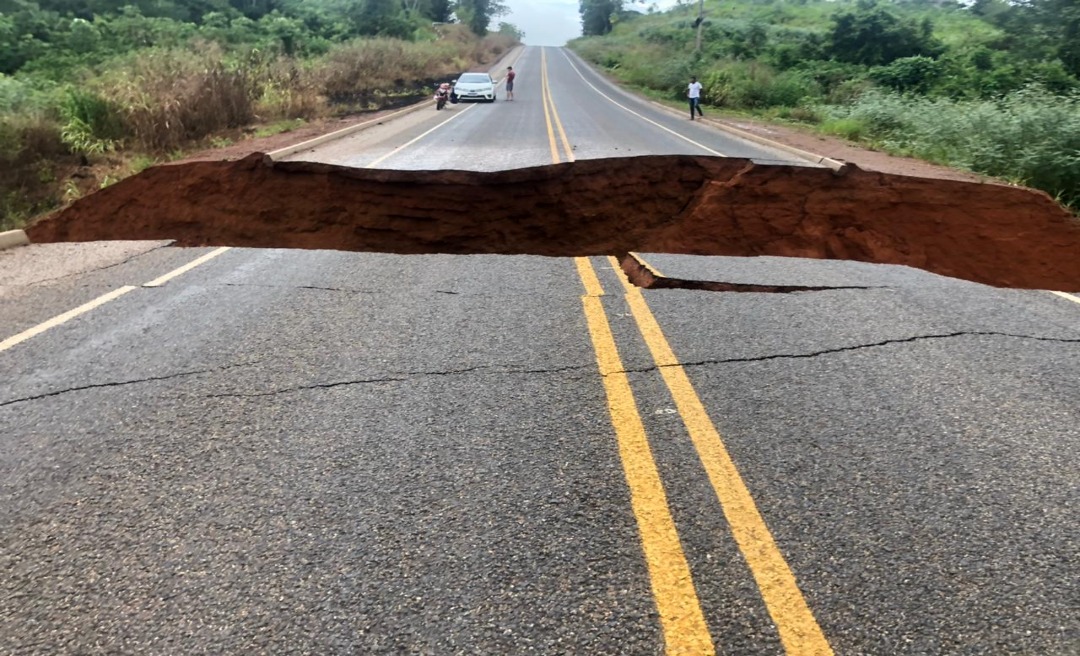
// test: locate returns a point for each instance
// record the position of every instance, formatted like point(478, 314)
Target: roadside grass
point(1031, 137)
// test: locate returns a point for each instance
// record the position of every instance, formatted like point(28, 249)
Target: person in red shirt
point(510, 75)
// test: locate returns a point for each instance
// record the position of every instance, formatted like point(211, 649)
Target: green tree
point(438, 11)
point(596, 15)
point(478, 14)
point(511, 30)
point(380, 18)
point(874, 36)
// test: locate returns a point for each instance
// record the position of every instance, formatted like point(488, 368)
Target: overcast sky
point(554, 22)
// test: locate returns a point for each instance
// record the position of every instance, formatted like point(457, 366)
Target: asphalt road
point(336, 453)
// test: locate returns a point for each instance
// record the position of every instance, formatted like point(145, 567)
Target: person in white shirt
point(693, 92)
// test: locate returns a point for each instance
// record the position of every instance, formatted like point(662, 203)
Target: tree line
point(51, 35)
point(872, 33)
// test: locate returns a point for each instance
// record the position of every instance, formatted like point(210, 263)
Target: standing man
point(693, 92)
point(510, 75)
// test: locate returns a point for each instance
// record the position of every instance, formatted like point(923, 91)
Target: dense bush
point(30, 144)
point(872, 35)
point(754, 85)
point(1030, 136)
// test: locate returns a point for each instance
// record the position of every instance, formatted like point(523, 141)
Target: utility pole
point(700, 22)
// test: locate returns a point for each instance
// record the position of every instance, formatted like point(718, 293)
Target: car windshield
point(473, 78)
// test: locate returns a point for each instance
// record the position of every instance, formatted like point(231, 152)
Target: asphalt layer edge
point(13, 238)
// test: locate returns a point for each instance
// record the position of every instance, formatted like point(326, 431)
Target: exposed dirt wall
point(988, 233)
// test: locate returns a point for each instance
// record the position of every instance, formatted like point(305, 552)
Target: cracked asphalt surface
point(297, 452)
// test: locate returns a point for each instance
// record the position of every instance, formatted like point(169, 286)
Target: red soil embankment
point(988, 233)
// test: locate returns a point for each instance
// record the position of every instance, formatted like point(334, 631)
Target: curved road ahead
point(235, 451)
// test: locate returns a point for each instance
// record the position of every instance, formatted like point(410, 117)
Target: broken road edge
point(13, 238)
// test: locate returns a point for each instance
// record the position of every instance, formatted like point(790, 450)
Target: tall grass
point(370, 71)
point(369, 68)
point(164, 99)
point(1030, 137)
point(752, 85)
point(30, 144)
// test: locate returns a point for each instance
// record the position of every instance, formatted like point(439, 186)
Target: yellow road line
point(1067, 296)
point(646, 264)
point(555, 113)
point(158, 282)
point(544, 100)
point(795, 622)
point(683, 623)
point(63, 318)
point(588, 277)
point(647, 120)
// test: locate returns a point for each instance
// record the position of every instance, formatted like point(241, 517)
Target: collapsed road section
point(988, 233)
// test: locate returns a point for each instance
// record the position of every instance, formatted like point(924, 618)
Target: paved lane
point(911, 446)
point(598, 120)
point(319, 452)
point(316, 462)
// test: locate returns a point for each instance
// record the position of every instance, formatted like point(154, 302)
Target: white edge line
point(648, 120)
point(406, 145)
point(158, 282)
point(62, 318)
point(829, 162)
point(457, 114)
point(1067, 296)
point(315, 142)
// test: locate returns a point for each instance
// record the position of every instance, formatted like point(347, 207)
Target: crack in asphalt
point(309, 287)
point(400, 378)
point(344, 383)
point(102, 268)
point(345, 290)
point(858, 347)
point(405, 376)
point(124, 383)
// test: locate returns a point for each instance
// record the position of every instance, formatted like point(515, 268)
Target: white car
point(475, 86)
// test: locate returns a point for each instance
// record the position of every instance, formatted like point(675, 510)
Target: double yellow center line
point(551, 115)
point(682, 619)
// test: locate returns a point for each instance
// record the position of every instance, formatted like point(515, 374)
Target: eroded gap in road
point(989, 233)
point(641, 275)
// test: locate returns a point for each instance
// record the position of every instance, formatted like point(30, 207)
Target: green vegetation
point(991, 86)
point(94, 90)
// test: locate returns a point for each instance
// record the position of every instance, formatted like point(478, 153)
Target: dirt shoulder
point(250, 144)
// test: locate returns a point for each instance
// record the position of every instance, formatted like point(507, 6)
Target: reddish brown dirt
point(638, 273)
point(987, 233)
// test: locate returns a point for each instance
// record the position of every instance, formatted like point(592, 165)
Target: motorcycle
point(442, 95)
